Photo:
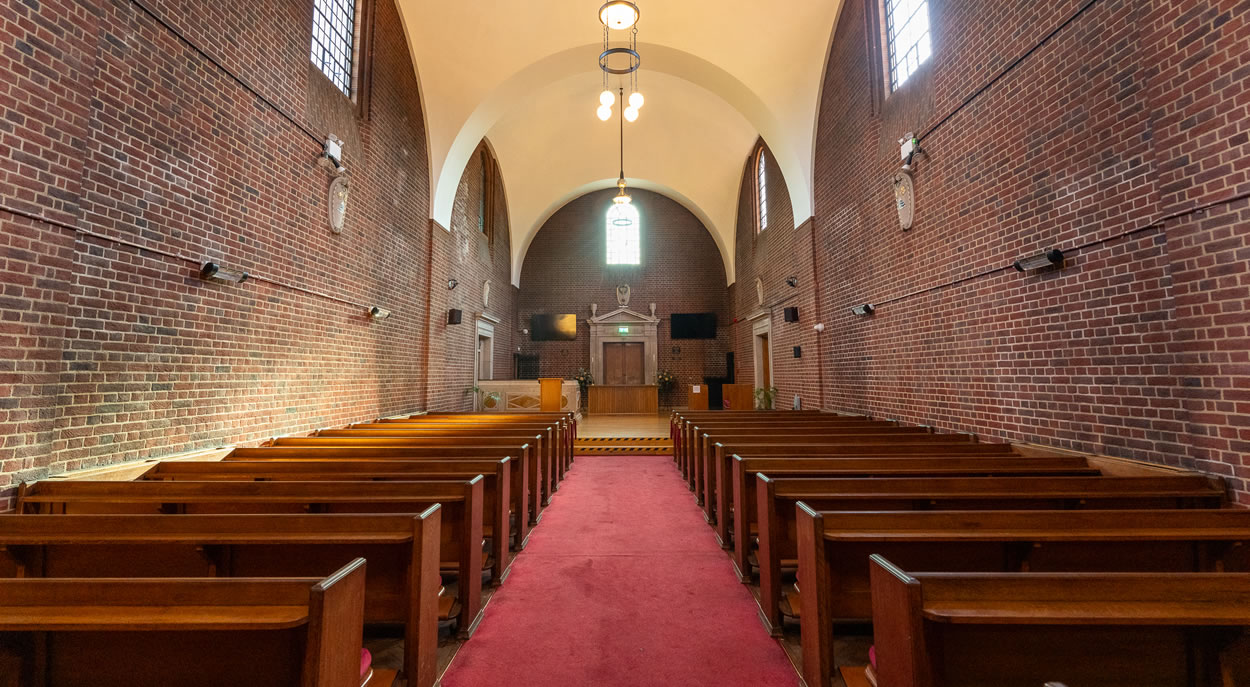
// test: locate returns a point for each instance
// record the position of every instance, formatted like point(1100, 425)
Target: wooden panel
point(738, 396)
point(549, 392)
point(698, 397)
point(624, 400)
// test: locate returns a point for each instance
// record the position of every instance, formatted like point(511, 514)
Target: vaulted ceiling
point(525, 76)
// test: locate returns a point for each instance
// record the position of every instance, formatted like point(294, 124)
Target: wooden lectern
point(550, 393)
point(698, 397)
point(739, 396)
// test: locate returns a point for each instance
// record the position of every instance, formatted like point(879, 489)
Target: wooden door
point(623, 364)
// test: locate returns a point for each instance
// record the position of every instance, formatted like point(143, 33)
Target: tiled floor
point(643, 426)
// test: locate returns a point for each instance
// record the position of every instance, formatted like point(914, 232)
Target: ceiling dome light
point(618, 14)
point(631, 114)
point(607, 98)
point(604, 113)
point(635, 100)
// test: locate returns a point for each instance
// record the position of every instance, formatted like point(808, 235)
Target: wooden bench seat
point(543, 437)
point(680, 424)
point(1028, 629)
point(499, 509)
point(187, 632)
point(834, 549)
point(523, 484)
point(561, 440)
point(685, 445)
point(712, 473)
point(522, 450)
point(722, 460)
point(742, 494)
point(460, 531)
point(402, 550)
point(778, 499)
point(697, 432)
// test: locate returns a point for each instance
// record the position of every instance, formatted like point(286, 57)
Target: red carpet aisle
point(622, 584)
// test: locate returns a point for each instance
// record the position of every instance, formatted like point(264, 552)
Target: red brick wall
point(137, 145)
point(681, 272)
point(773, 256)
point(471, 258)
point(1113, 129)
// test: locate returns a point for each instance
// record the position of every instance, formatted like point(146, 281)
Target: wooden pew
point(498, 507)
point(834, 548)
point(778, 499)
point(142, 632)
point(715, 473)
point(679, 422)
point(684, 430)
point(1029, 629)
point(518, 470)
point(567, 421)
point(696, 432)
point(402, 550)
point(460, 530)
point(564, 423)
point(722, 459)
point(743, 501)
point(544, 438)
point(526, 448)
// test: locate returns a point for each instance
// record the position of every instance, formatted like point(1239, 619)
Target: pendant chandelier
point(622, 198)
point(619, 15)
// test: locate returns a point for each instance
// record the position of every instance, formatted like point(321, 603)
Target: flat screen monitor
point(699, 325)
point(547, 327)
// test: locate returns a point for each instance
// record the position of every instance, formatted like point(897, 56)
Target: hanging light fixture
point(622, 198)
point(619, 15)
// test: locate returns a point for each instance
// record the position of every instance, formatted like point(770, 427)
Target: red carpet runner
point(621, 584)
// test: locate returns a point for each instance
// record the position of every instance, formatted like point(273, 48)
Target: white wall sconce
point(1050, 258)
point(212, 271)
point(863, 310)
point(819, 327)
point(376, 313)
point(452, 283)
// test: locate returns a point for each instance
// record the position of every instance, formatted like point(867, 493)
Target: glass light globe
point(631, 114)
point(636, 100)
point(619, 14)
point(607, 98)
point(604, 112)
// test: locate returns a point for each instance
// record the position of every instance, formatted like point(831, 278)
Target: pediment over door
point(624, 316)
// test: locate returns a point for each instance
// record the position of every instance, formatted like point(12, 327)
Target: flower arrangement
point(764, 398)
point(666, 381)
point(584, 381)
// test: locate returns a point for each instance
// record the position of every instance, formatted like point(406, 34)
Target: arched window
point(624, 245)
point(761, 191)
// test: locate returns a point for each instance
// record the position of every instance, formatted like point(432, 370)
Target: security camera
point(819, 326)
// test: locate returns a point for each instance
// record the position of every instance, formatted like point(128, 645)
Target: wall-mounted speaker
point(792, 314)
point(453, 316)
point(798, 351)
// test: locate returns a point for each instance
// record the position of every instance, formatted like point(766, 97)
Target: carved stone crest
point(904, 199)
point(339, 190)
point(759, 291)
point(622, 295)
point(486, 294)
point(653, 309)
point(594, 309)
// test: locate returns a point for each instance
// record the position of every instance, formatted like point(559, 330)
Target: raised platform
point(623, 435)
point(603, 446)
